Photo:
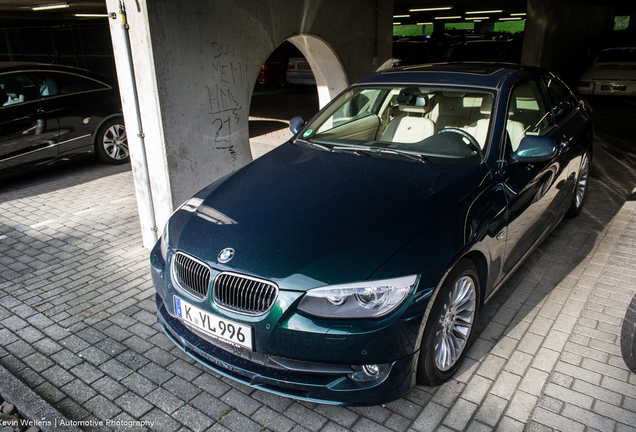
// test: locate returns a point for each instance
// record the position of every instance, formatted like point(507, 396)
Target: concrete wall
point(564, 36)
point(196, 63)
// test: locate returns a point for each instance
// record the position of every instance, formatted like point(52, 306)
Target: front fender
point(474, 224)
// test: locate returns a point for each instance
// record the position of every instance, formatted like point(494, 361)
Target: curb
point(31, 406)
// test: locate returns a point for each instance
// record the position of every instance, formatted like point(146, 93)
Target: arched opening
point(328, 71)
point(298, 78)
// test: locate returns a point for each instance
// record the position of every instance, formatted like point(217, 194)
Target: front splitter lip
point(334, 389)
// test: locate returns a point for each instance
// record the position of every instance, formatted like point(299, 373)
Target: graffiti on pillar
point(225, 107)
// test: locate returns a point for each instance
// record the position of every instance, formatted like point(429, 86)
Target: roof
point(30, 66)
point(489, 75)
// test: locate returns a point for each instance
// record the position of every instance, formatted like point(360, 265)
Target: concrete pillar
point(485, 26)
point(147, 156)
point(439, 26)
point(196, 63)
point(564, 36)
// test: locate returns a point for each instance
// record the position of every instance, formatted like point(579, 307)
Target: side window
point(560, 98)
point(18, 87)
point(359, 105)
point(528, 113)
point(55, 83)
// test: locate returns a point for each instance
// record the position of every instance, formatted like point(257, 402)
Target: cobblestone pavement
point(78, 326)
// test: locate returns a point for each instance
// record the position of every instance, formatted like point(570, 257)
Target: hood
point(306, 213)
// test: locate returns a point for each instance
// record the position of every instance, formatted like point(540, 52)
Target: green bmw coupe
point(351, 262)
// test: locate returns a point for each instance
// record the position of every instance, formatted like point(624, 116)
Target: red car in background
point(275, 67)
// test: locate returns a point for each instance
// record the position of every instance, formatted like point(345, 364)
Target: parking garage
point(78, 325)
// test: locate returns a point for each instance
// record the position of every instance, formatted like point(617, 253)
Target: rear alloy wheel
point(111, 143)
point(449, 331)
point(578, 198)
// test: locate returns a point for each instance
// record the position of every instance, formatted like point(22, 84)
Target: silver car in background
point(299, 72)
point(612, 73)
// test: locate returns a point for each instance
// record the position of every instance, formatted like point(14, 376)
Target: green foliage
point(621, 22)
point(412, 30)
point(459, 26)
point(510, 26)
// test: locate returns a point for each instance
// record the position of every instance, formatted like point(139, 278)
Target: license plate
point(214, 326)
point(612, 87)
point(304, 66)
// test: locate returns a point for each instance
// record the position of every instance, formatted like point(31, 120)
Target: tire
point(281, 80)
point(450, 327)
point(111, 144)
point(628, 336)
point(580, 189)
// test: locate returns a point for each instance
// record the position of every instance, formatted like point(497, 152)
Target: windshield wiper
point(412, 156)
point(366, 150)
point(313, 144)
point(351, 149)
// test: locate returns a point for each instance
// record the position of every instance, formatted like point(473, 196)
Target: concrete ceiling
point(18, 13)
point(460, 7)
point(15, 13)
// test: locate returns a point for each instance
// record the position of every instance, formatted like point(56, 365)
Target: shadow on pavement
point(55, 178)
point(262, 127)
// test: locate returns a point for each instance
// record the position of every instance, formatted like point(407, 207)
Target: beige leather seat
point(480, 130)
point(516, 130)
point(412, 127)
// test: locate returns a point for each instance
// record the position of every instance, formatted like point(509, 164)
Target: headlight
point(358, 300)
point(164, 242)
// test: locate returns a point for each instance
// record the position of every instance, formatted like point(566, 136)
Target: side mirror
point(533, 149)
point(296, 124)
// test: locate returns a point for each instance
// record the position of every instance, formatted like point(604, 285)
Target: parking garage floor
point(78, 326)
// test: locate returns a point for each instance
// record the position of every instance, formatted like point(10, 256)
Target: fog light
point(370, 372)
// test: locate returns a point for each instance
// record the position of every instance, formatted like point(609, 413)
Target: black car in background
point(415, 51)
point(51, 113)
point(485, 50)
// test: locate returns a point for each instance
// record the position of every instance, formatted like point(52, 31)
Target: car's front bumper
point(301, 78)
point(321, 383)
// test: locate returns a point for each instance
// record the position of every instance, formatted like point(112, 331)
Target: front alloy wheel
point(449, 330)
point(455, 323)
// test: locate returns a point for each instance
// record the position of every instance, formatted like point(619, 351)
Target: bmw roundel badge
point(225, 255)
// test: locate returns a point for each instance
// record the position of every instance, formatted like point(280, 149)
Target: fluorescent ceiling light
point(431, 9)
point(484, 12)
point(401, 16)
point(50, 6)
point(477, 18)
point(448, 17)
point(397, 23)
point(518, 14)
point(92, 15)
point(509, 19)
point(426, 23)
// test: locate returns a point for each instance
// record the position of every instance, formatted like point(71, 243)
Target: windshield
point(430, 124)
point(627, 55)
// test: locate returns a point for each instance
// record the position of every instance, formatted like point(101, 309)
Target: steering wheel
point(472, 142)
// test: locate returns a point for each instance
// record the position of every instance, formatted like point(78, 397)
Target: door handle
point(564, 146)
